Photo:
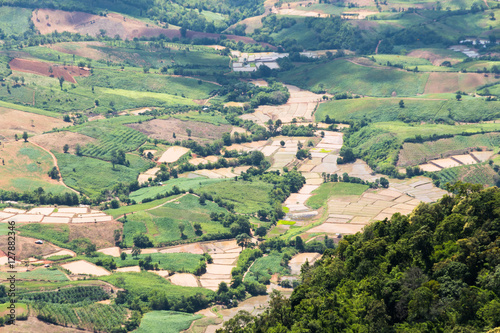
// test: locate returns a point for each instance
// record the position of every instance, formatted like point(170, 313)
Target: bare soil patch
point(441, 82)
point(85, 267)
point(26, 247)
point(81, 49)
point(114, 24)
point(35, 325)
point(43, 68)
point(434, 58)
point(56, 141)
point(16, 122)
point(173, 154)
point(184, 279)
point(165, 128)
point(100, 233)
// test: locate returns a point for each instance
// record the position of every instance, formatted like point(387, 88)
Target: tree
point(299, 244)
point(25, 136)
point(142, 241)
point(197, 228)
point(78, 150)
point(123, 256)
point(243, 240)
point(401, 104)
point(223, 288)
point(65, 148)
point(136, 252)
point(54, 173)
point(282, 143)
point(188, 131)
point(90, 250)
point(181, 229)
point(261, 231)
point(61, 81)
point(458, 97)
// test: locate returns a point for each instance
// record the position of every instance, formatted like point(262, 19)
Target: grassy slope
point(166, 322)
point(248, 197)
point(327, 190)
point(341, 76)
point(388, 109)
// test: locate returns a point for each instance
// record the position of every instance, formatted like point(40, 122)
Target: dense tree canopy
point(436, 270)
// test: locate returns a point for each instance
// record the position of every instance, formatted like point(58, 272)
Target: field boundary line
point(54, 159)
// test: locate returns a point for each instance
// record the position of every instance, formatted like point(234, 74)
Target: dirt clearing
point(16, 122)
point(44, 68)
point(173, 154)
point(48, 21)
point(165, 129)
point(56, 141)
point(440, 82)
point(434, 58)
point(26, 247)
point(100, 233)
point(85, 267)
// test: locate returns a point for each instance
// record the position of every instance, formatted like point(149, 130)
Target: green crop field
point(184, 184)
point(162, 224)
point(475, 174)
point(247, 197)
point(54, 233)
point(154, 83)
point(146, 283)
point(42, 273)
point(418, 153)
point(75, 172)
point(14, 20)
point(414, 110)
point(327, 190)
point(166, 322)
point(264, 267)
point(214, 118)
point(343, 76)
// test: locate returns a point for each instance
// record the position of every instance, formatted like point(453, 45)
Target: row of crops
point(475, 174)
point(68, 295)
point(119, 138)
point(93, 317)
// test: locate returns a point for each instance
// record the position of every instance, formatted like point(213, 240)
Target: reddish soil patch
point(56, 141)
point(43, 68)
point(165, 129)
point(26, 247)
point(100, 233)
point(114, 24)
point(440, 82)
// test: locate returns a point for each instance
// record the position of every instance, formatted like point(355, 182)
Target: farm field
point(200, 146)
point(166, 321)
point(166, 129)
point(162, 224)
point(436, 108)
point(417, 153)
point(246, 197)
point(25, 166)
point(343, 76)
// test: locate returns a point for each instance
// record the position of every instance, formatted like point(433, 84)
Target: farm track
point(54, 159)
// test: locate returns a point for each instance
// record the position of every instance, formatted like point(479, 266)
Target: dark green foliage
point(68, 295)
point(432, 271)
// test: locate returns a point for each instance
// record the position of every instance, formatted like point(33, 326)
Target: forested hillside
point(437, 270)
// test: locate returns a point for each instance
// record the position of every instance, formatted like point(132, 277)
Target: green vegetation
point(14, 21)
point(162, 225)
point(54, 233)
point(139, 207)
point(247, 197)
point(414, 110)
point(153, 290)
point(339, 76)
point(175, 262)
point(418, 153)
point(427, 263)
point(75, 172)
point(264, 267)
point(42, 273)
point(184, 184)
point(474, 174)
point(327, 190)
point(166, 321)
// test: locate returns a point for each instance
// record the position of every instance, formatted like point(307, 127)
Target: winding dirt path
point(380, 41)
point(54, 159)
